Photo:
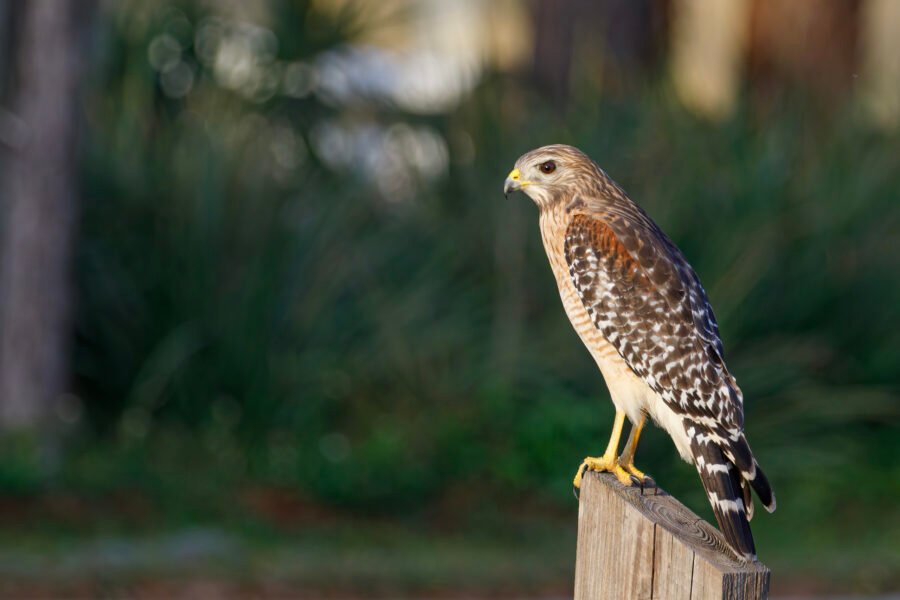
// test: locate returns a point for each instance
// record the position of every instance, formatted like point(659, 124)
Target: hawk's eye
point(548, 167)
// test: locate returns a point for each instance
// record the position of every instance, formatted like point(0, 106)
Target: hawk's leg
point(626, 460)
point(608, 461)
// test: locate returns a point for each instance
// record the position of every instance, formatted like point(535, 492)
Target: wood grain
point(604, 551)
point(642, 543)
point(671, 559)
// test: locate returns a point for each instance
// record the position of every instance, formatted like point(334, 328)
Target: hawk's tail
point(760, 483)
point(727, 491)
point(738, 452)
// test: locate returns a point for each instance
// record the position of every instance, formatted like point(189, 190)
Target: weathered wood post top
point(644, 544)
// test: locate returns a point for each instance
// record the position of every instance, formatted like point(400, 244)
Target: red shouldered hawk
point(641, 311)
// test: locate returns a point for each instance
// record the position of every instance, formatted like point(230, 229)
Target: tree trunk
point(553, 44)
point(807, 44)
point(39, 192)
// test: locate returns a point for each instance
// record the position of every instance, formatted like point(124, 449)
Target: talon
point(632, 470)
point(576, 482)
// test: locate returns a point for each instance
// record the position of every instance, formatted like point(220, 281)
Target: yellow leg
point(608, 461)
point(626, 460)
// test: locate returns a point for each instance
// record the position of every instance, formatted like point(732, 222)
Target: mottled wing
point(645, 299)
point(648, 303)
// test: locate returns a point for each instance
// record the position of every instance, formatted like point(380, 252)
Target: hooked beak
point(513, 182)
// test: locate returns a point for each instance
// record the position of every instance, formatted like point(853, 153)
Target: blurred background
point(269, 327)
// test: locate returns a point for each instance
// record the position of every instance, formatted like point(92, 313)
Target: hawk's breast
point(629, 393)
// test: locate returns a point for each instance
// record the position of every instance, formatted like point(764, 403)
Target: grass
point(270, 547)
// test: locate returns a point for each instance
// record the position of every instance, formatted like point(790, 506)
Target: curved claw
point(629, 468)
point(576, 482)
point(634, 471)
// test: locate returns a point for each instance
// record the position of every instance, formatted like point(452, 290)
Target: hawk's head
point(547, 173)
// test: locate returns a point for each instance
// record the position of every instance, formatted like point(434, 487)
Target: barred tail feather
point(722, 481)
point(739, 453)
point(762, 488)
point(748, 498)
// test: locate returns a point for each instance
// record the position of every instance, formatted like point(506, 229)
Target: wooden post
point(644, 544)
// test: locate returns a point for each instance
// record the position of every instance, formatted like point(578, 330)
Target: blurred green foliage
point(242, 324)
